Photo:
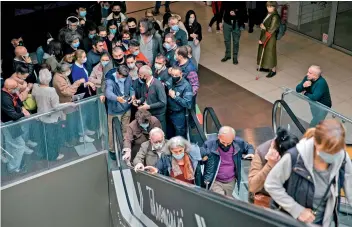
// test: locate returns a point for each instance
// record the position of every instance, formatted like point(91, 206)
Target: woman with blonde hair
point(306, 181)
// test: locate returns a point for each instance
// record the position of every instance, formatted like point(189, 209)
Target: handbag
point(262, 200)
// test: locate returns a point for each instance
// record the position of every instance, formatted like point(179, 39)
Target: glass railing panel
point(310, 113)
point(44, 141)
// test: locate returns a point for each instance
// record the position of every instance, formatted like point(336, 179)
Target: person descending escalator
point(223, 168)
point(265, 158)
point(179, 160)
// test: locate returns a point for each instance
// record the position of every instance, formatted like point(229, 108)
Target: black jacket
point(156, 97)
point(184, 95)
point(11, 107)
point(163, 76)
point(139, 89)
point(195, 28)
point(240, 11)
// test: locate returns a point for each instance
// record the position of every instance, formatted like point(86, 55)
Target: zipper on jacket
point(216, 173)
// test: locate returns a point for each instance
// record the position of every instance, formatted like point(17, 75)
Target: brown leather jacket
point(259, 169)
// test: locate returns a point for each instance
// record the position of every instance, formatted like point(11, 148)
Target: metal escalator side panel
point(209, 112)
point(199, 131)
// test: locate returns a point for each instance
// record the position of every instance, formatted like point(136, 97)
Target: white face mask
point(158, 146)
point(132, 65)
point(68, 73)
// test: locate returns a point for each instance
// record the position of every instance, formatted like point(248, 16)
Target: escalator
point(143, 199)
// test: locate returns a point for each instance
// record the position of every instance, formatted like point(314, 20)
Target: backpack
point(281, 30)
point(340, 181)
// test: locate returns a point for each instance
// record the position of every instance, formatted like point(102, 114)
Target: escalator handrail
point(214, 117)
point(317, 104)
point(193, 116)
point(289, 112)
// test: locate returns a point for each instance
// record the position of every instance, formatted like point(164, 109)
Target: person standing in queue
point(179, 100)
point(154, 98)
point(223, 168)
point(307, 181)
point(179, 160)
point(161, 72)
point(315, 87)
point(194, 30)
point(119, 93)
point(266, 58)
point(180, 35)
point(170, 46)
point(118, 59)
point(233, 14)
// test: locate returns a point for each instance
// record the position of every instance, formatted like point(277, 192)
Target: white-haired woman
point(179, 160)
point(47, 99)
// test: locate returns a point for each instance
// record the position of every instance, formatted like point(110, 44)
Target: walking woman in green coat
point(267, 58)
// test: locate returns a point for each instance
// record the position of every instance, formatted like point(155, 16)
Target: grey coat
point(157, 46)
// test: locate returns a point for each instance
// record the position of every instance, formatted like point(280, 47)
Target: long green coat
point(271, 24)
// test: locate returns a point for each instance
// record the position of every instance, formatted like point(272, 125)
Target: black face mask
point(175, 80)
point(118, 61)
point(144, 80)
point(223, 147)
point(116, 13)
point(132, 30)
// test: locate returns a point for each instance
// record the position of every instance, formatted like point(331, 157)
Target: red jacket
point(216, 6)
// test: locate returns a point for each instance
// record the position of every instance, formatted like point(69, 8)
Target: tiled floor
point(295, 54)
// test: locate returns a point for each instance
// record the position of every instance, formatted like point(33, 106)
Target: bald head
point(226, 135)
point(10, 84)
point(20, 51)
point(146, 70)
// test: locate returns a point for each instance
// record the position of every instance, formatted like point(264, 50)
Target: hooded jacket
point(299, 194)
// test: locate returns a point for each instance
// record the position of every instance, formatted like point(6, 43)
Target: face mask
point(84, 60)
point(70, 64)
point(136, 53)
point(167, 46)
point(175, 57)
point(158, 146)
point(144, 126)
point(158, 66)
point(82, 13)
point(178, 156)
point(191, 20)
point(106, 7)
point(91, 36)
point(175, 28)
point(20, 43)
point(175, 79)
point(119, 60)
point(224, 148)
point(122, 80)
point(329, 158)
point(15, 91)
point(75, 45)
point(73, 28)
point(140, 81)
point(26, 55)
point(116, 13)
point(67, 73)
point(131, 66)
point(104, 63)
point(132, 30)
point(126, 41)
point(112, 31)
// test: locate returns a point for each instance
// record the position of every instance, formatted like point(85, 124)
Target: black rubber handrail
point(289, 112)
point(210, 111)
point(200, 131)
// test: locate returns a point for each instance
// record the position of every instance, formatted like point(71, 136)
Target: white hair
point(146, 69)
point(178, 141)
point(155, 131)
point(226, 130)
point(45, 76)
point(316, 69)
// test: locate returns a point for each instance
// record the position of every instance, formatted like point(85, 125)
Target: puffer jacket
point(164, 163)
point(210, 149)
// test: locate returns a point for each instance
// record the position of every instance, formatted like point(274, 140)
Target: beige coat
point(97, 76)
point(64, 88)
point(146, 155)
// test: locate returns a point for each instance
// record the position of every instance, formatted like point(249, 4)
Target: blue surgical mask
point(126, 41)
point(106, 7)
point(104, 63)
point(136, 53)
point(82, 13)
point(167, 46)
point(75, 45)
point(140, 81)
point(330, 158)
point(175, 28)
point(175, 57)
point(91, 36)
point(112, 31)
point(84, 60)
point(178, 156)
point(145, 125)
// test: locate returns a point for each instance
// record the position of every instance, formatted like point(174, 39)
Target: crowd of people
point(145, 72)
